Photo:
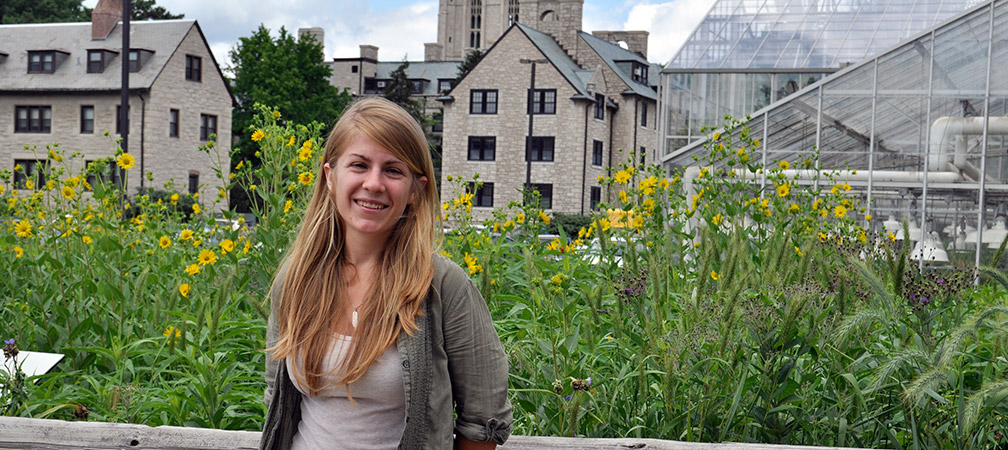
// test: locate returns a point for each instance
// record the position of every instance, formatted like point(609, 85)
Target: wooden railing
point(21, 433)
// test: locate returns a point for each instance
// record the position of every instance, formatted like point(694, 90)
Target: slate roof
point(162, 37)
point(430, 71)
point(559, 58)
point(612, 54)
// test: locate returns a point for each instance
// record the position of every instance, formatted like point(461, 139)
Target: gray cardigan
point(455, 372)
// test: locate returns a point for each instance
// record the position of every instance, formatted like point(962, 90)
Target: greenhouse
point(747, 54)
point(919, 131)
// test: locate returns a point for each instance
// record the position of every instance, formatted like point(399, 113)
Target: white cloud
point(669, 24)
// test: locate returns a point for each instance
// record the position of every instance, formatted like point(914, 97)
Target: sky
point(400, 27)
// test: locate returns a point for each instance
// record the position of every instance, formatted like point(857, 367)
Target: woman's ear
point(421, 184)
point(328, 171)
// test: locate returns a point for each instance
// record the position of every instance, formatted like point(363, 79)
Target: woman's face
point(371, 187)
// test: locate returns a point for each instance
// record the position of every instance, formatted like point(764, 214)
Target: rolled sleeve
point(477, 364)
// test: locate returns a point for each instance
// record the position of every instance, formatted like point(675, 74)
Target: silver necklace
point(353, 317)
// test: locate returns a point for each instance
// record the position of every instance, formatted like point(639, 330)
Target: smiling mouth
point(370, 205)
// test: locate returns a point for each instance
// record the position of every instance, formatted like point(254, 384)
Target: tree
point(51, 11)
point(400, 91)
point(471, 59)
point(285, 74)
point(43, 11)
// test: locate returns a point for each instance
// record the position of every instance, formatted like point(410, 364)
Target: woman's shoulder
point(448, 272)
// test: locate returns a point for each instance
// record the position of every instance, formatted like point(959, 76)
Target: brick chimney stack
point(104, 17)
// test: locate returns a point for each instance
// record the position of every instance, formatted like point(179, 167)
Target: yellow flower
point(840, 211)
point(862, 236)
point(276, 114)
point(846, 186)
point(207, 257)
point(305, 178)
point(192, 269)
point(18, 251)
point(556, 279)
point(186, 234)
point(892, 237)
point(715, 276)
point(227, 246)
point(164, 242)
point(755, 142)
point(86, 239)
point(783, 190)
point(623, 197)
point(305, 153)
point(470, 261)
point(765, 203)
point(173, 334)
point(605, 223)
point(68, 192)
point(258, 135)
point(544, 218)
point(798, 251)
point(29, 184)
point(822, 237)
point(287, 206)
point(784, 165)
point(622, 176)
point(867, 217)
point(125, 161)
point(716, 220)
point(520, 218)
point(196, 208)
point(794, 209)
point(184, 289)
point(23, 228)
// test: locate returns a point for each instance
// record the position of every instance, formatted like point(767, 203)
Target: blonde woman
point(374, 340)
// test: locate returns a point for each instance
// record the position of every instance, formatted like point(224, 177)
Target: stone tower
point(465, 25)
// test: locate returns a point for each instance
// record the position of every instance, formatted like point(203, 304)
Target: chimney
point(315, 32)
point(104, 17)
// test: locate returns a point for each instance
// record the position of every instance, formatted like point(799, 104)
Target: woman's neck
point(364, 251)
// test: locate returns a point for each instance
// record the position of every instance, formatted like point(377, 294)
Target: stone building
point(592, 104)
point(61, 83)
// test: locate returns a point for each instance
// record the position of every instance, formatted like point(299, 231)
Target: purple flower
point(568, 397)
point(9, 341)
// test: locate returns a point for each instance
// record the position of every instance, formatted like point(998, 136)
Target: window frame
point(87, 124)
point(484, 101)
point(598, 150)
point(542, 101)
point(173, 122)
point(482, 197)
point(643, 120)
point(488, 144)
point(206, 127)
point(600, 106)
point(540, 153)
point(134, 65)
point(33, 170)
point(545, 201)
point(100, 63)
point(444, 85)
point(43, 125)
point(194, 68)
point(44, 64)
point(594, 197)
point(193, 181)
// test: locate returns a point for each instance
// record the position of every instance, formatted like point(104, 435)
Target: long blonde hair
point(313, 288)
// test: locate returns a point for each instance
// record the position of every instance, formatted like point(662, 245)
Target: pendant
point(353, 319)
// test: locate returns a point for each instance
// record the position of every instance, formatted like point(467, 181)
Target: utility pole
point(124, 92)
point(528, 106)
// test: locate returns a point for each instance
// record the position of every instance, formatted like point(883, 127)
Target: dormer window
point(639, 73)
point(42, 61)
point(137, 58)
point(99, 59)
point(416, 86)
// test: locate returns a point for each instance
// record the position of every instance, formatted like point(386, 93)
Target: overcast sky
point(400, 27)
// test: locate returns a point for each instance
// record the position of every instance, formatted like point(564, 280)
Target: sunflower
point(23, 228)
point(164, 242)
point(125, 161)
point(207, 257)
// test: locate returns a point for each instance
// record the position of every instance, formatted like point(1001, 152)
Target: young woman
point(374, 340)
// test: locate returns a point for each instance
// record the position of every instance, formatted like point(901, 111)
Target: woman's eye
point(358, 165)
point(394, 171)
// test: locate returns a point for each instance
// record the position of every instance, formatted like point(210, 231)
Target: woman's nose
point(373, 181)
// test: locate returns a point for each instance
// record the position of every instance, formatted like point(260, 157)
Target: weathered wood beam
point(18, 433)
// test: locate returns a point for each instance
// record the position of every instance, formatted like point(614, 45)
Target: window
point(87, 119)
point(596, 153)
point(444, 85)
point(599, 106)
point(540, 148)
point(543, 101)
point(353, 68)
point(42, 61)
point(643, 155)
point(438, 125)
point(639, 73)
point(208, 126)
point(119, 118)
point(106, 174)
point(483, 101)
point(596, 197)
point(33, 119)
point(382, 84)
point(417, 86)
point(29, 171)
point(193, 65)
point(134, 60)
point(173, 122)
point(643, 116)
point(96, 61)
point(483, 196)
point(193, 182)
point(545, 194)
point(482, 148)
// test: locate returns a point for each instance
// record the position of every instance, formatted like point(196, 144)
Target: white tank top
point(330, 421)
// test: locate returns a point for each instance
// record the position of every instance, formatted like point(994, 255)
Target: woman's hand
point(462, 443)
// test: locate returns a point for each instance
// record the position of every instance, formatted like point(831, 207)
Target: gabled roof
point(558, 58)
point(430, 71)
point(162, 37)
point(613, 54)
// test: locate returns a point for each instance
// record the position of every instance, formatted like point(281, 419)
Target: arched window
point(512, 12)
point(475, 22)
